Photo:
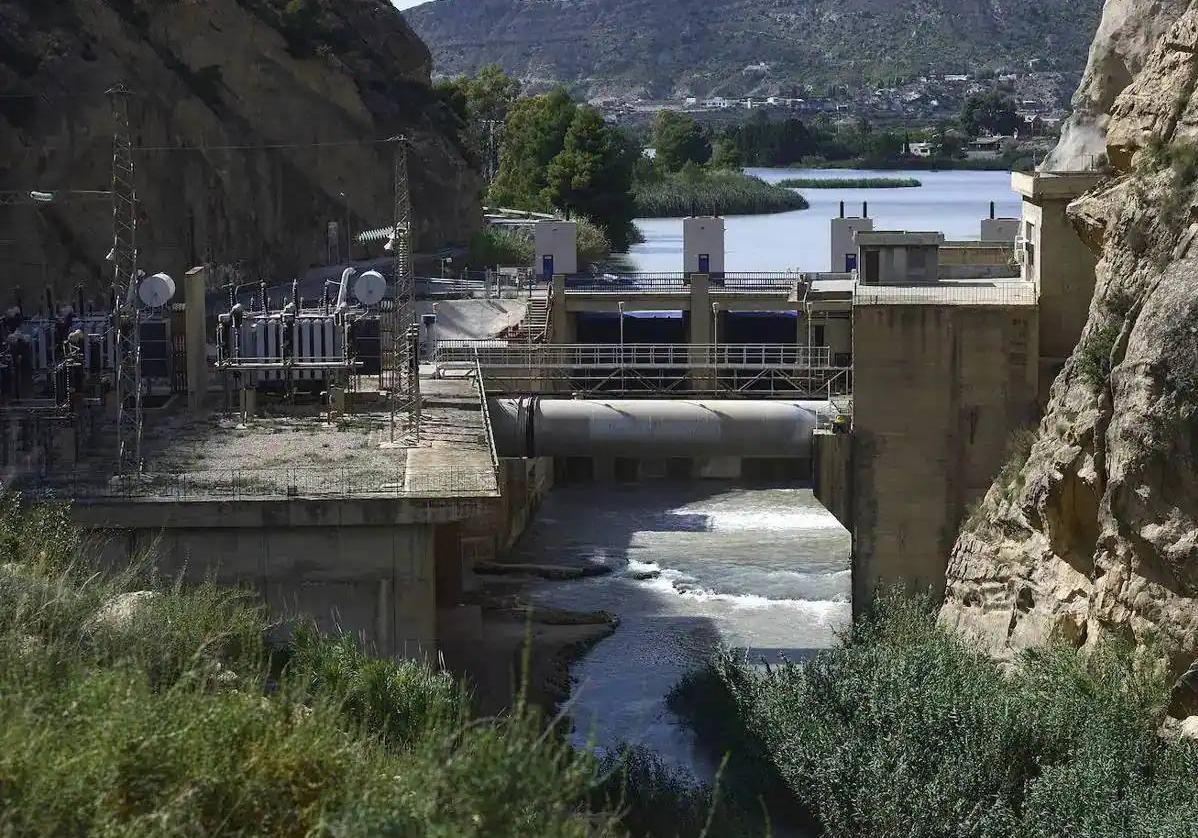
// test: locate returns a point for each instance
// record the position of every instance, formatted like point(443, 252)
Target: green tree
point(592, 176)
point(990, 112)
point(534, 134)
point(483, 102)
point(725, 155)
point(679, 140)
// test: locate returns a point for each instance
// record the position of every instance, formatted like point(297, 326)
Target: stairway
point(534, 328)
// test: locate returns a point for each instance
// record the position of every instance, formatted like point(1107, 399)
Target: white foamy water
point(696, 567)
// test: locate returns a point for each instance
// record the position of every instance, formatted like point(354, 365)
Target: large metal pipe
point(542, 427)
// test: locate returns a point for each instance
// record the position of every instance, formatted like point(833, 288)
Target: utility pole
point(399, 338)
point(125, 322)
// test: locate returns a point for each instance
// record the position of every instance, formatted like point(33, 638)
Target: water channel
point(695, 568)
point(702, 566)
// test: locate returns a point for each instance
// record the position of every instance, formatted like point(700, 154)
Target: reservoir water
point(696, 567)
point(953, 203)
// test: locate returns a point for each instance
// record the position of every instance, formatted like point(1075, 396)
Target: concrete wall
point(978, 260)
point(366, 567)
point(831, 473)
point(1000, 229)
point(558, 239)
point(939, 391)
point(645, 469)
point(703, 235)
point(843, 244)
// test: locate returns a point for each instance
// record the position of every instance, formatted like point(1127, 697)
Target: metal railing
point(486, 412)
point(673, 283)
point(676, 356)
point(653, 370)
point(315, 482)
point(996, 294)
point(679, 283)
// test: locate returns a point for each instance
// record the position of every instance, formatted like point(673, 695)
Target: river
point(953, 203)
point(759, 570)
point(704, 566)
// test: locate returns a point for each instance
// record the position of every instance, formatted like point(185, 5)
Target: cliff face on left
point(318, 82)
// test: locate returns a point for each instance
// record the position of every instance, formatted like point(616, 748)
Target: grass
point(179, 718)
point(851, 183)
point(909, 730)
point(713, 193)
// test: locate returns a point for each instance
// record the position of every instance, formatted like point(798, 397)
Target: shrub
point(909, 730)
point(497, 247)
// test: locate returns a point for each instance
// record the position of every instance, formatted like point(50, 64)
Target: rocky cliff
point(1096, 534)
point(1126, 36)
point(317, 83)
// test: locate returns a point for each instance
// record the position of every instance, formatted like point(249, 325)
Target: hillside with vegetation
point(669, 48)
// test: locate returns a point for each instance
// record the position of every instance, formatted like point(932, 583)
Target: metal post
point(623, 366)
point(400, 367)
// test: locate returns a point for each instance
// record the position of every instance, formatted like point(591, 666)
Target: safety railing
point(486, 354)
point(648, 283)
point(480, 382)
point(995, 294)
point(312, 482)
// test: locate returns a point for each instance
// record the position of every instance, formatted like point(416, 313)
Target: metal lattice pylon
point(125, 325)
point(398, 335)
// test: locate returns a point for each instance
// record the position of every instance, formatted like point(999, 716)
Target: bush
point(499, 247)
point(909, 730)
point(696, 192)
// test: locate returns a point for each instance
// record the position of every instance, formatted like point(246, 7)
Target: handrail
point(660, 356)
point(486, 412)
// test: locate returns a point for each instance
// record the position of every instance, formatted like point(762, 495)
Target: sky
point(407, 4)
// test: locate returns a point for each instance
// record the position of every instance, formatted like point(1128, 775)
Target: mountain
point(661, 48)
point(317, 82)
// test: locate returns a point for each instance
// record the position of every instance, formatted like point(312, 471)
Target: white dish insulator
point(157, 290)
point(370, 288)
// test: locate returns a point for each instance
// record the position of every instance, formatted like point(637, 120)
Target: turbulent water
point(763, 571)
point(953, 203)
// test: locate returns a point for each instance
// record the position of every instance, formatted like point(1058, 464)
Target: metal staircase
point(534, 328)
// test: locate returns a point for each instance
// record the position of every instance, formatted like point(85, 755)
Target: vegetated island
point(851, 183)
point(689, 193)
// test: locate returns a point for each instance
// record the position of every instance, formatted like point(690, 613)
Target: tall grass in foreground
point(713, 193)
point(908, 730)
point(172, 716)
point(850, 183)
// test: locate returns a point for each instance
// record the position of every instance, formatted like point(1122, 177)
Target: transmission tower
point(125, 320)
point(399, 338)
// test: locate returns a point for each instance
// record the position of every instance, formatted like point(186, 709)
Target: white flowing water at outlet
point(696, 568)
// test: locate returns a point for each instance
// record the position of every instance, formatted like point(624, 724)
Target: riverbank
point(713, 193)
point(923, 164)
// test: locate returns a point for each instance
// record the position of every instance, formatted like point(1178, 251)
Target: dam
point(710, 435)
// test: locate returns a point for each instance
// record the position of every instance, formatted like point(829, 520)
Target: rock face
point(331, 78)
point(1126, 37)
point(1096, 535)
